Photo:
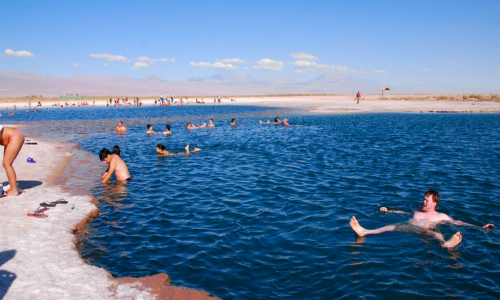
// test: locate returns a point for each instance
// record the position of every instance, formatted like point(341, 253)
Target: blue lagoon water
point(262, 212)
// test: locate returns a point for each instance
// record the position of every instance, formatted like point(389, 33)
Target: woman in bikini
point(12, 139)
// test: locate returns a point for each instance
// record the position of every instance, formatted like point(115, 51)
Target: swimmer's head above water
point(105, 152)
point(434, 194)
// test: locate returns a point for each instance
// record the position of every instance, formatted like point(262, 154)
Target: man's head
point(431, 200)
point(104, 155)
point(120, 124)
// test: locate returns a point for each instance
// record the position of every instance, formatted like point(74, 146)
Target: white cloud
point(221, 65)
point(269, 64)
point(380, 72)
point(456, 63)
point(306, 64)
point(145, 58)
point(139, 65)
point(200, 64)
point(153, 60)
point(226, 64)
point(77, 64)
point(302, 55)
point(425, 70)
point(303, 66)
point(233, 61)
point(110, 57)
point(22, 53)
point(216, 65)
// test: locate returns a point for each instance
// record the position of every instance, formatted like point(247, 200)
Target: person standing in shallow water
point(426, 219)
point(120, 128)
point(116, 165)
point(13, 140)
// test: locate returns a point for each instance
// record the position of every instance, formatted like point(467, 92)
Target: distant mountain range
point(20, 84)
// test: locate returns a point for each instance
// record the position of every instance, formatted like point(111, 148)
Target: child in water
point(12, 139)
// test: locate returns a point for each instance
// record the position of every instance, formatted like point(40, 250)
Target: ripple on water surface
point(263, 211)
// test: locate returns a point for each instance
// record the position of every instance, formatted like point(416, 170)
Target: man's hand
point(383, 209)
point(488, 226)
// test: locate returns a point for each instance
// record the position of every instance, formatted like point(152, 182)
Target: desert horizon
point(23, 84)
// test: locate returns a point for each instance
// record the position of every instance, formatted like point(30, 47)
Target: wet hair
point(276, 119)
point(435, 195)
point(149, 125)
point(115, 150)
point(120, 122)
point(161, 146)
point(233, 120)
point(104, 153)
point(168, 127)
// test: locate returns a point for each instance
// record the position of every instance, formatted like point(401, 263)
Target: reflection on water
point(114, 193)
point(263, 211)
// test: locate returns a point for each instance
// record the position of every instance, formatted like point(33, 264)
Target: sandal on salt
point(37, 215)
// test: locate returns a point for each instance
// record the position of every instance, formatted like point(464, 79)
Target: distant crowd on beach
point(126, 101)
point(164, 101)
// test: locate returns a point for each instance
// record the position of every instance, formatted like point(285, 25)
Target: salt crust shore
point(329, 104)
point(38, 257)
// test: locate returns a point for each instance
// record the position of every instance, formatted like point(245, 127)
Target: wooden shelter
point(384, 89)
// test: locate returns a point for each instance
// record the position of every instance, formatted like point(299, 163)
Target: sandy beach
point(38, 257)
point(324, 104)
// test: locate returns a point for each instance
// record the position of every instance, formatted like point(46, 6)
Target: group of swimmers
point(424, 221)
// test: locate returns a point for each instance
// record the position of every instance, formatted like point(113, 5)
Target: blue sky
point(392, 42)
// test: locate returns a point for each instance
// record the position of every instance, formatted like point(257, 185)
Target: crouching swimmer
point(116, 165)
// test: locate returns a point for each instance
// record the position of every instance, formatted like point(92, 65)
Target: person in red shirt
point(358, 95)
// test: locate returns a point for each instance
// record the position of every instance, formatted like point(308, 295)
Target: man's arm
point(111, 171)
point(384, 209)
point(460, 223)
